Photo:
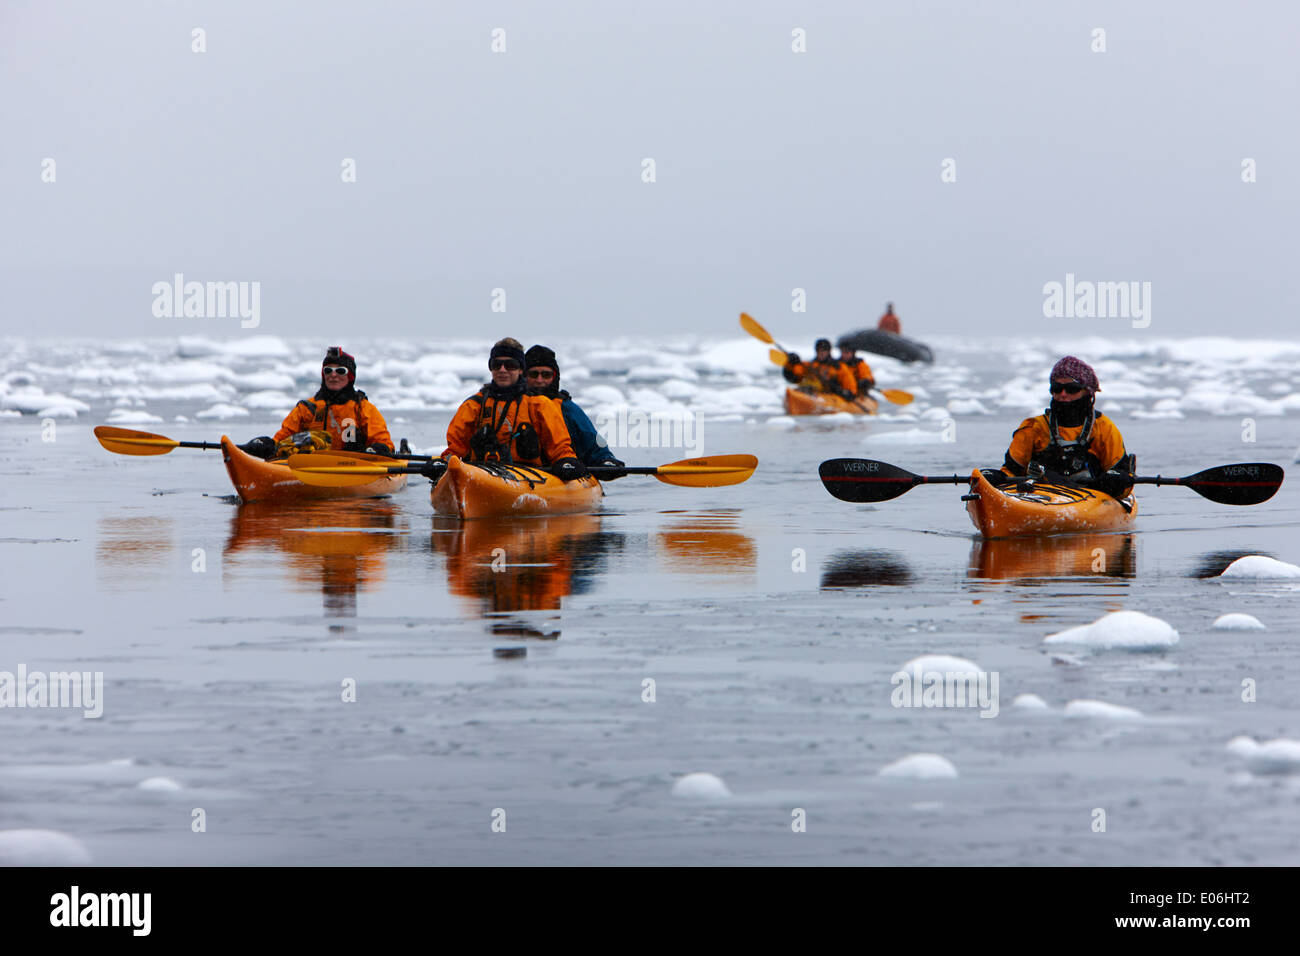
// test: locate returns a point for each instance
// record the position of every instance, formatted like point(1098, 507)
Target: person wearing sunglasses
point(1071, 439)
point(504, 422)
point(543, 378)
point(338, 416)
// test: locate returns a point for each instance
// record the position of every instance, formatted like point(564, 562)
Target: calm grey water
point(228, 680)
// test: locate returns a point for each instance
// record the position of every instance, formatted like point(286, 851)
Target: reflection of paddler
point(513, 564)
point(1075, 555)
point(709, 542)
point(339, 550)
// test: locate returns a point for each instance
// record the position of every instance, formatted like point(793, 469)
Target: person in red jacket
point(338, 413)
point(889, 322)
point(1071, 439)
point(504, 422)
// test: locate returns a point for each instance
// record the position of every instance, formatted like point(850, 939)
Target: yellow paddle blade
point(125, 441)
point(710, 472)
point(337, 470)
point(778, 357)
point(896, 395)
point(750, 325)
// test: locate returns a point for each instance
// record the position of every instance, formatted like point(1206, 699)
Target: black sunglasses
point(1069, 388)
point(502, 363)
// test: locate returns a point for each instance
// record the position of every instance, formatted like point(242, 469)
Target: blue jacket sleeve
point(586, 442)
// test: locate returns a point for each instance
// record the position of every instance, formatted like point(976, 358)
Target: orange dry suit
point(862, 376)
point(509, 425)
point(352, 422)
point(1083, 451)
point(833, 375)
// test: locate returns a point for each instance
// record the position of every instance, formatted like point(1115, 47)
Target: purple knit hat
point(1078, 370)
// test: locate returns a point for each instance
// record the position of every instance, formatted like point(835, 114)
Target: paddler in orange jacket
point(1071, 439)
point(823, 372)
point(503, 422)
point(860, 369)
point(337, 413)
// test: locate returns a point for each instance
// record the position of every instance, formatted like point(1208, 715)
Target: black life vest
point(1068, 458)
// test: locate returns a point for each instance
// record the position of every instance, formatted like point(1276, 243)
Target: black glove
point(434, 469)
point(404, 447)
point(482, 442)
point(378, 450)
point(263, 446)
point(567, 469)
point(792, 358)
point(1114, 483)
point(617, 469)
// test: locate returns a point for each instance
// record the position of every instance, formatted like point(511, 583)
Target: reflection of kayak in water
point(1076, 555)
point(507, 565)
point(707, 542)
point(887, 343)
point(339, 550)
point(803, 401)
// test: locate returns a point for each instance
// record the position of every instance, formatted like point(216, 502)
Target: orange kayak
point(800, 401)
point(493, 490)
point(1044, 509)
point(258, 480)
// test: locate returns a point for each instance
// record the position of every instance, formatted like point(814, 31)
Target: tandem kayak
point(799, 401)
point(887, 343)
point(1043, 508)
point(493, 490)
point(258, 480)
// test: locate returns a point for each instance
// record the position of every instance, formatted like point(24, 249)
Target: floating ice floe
point(222, 412)
point(271, 399)
point(1271, 757)
point(1257, 566)
point(1123, 630)
point(41, 848)
point(920, 767)
point(1029, 702)
point(941, 664)
point(159, 785)
point(701, 786)
point(132, 416)
point(1238, 622)
point(1101, 709)
point(968, 406)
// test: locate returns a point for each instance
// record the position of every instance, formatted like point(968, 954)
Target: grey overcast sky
point(523, 170)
